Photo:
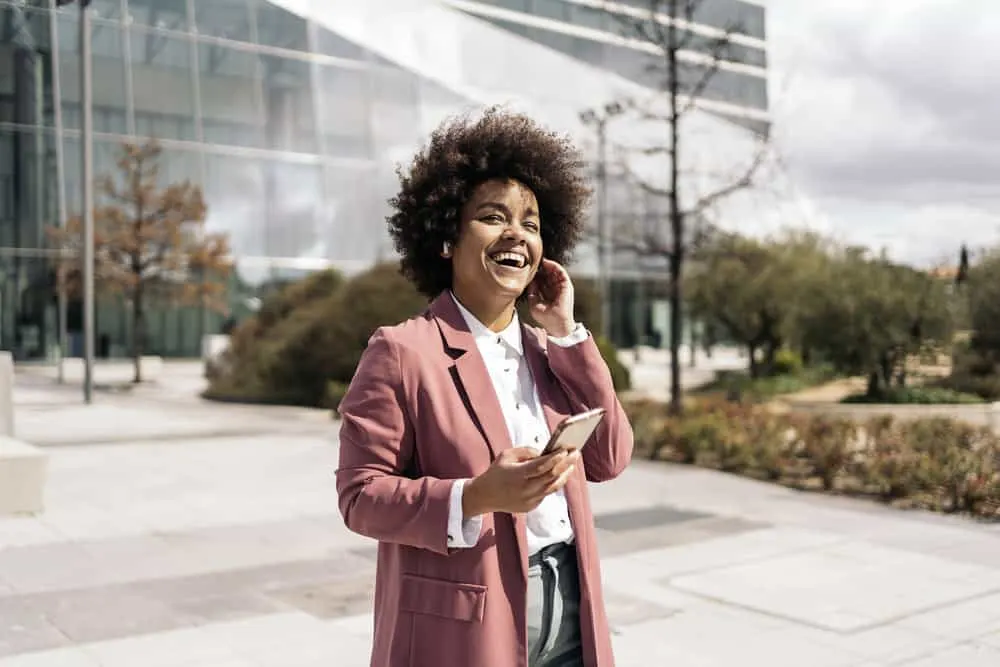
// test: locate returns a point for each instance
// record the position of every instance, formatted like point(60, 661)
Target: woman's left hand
point(550, 296)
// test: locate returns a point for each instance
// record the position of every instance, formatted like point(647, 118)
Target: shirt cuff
point(578, 335)
point(462, 534)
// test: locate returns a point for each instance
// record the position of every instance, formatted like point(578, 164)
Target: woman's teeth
point(510, 259)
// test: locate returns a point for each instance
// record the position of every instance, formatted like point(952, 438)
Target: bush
point(926, 395)
point(335, 392)
point(787, 362)
point(940, 464)
point(620, 376)
point(312, 333)
point(739, 383)
point(828, 444)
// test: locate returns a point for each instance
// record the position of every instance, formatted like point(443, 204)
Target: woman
point(486, 556)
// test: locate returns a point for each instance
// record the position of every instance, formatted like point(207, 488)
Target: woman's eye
point(533, 226)
point(493, 218)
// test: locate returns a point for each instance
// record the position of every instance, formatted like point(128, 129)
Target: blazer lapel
point(470, 375)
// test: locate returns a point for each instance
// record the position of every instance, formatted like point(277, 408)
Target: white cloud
point(885, 114)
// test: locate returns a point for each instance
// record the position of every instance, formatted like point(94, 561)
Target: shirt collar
point(511, 335)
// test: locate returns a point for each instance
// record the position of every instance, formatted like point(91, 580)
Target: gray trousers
point(554, 608)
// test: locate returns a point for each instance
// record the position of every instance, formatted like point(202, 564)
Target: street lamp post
point(87, 185)
point(599, 120)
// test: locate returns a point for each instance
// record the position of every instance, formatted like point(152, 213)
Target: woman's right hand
point(517, 481)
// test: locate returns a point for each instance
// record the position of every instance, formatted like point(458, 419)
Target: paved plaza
point(180, 533)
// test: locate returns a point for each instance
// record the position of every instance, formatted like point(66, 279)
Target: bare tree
point(150, 244)
point(663, 25)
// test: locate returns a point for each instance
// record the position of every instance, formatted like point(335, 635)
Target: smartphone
point(574, 431)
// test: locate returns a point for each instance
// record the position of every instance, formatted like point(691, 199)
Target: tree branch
point(744, 181)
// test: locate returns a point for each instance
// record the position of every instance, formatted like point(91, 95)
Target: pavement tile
point(177, 648)
point(63, 657)
point(967, 620)
point(888, 644)
point(843, 587)
point(23, 629)
point(963, 655)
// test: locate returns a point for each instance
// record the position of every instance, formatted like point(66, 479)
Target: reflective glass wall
point(290, 129)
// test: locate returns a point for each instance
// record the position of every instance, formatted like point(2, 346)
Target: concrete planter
point(23, 468)
point(23, 473)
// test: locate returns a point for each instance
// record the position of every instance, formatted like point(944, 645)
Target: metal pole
point(602, 229)
point(60, 183)
point(87, 145)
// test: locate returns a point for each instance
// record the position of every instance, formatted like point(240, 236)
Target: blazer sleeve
point(376, 497)
point(585, 377)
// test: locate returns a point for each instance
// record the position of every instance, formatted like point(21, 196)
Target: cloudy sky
point(887, 115)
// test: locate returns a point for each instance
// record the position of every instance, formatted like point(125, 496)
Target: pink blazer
point(421, 411)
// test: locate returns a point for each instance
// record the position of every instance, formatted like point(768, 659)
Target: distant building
point(292, 115)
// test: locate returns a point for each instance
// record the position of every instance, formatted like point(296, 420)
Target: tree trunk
point(873, 384)
point(754, 367)
point(676, 404)
point(676, 219)
point(770, 356)
point(137, 336)
point(692, 350)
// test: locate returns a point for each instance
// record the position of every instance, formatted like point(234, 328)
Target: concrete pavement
point(186, 534)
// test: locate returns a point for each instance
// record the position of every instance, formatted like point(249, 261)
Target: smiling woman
point(462, 156)
point(487, 550)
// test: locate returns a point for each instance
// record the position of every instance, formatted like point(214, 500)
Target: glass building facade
point(291, 114)
point(726, 36)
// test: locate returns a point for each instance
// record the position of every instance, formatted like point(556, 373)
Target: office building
point(292, 115)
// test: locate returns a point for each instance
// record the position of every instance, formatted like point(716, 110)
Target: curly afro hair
point(461, 155)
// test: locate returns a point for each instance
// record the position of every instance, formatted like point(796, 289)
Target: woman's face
point(499, 245)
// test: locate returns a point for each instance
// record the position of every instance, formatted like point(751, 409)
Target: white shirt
point(503, 354)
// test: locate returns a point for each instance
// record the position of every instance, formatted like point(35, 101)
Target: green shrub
point(925, 395)
point(620, 376)
point(935, 463)
point(828, 444)
point(787, 362)
point(335, 392)
point(312, 333)
point(739, 383)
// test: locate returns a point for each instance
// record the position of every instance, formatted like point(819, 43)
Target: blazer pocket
point(446, 599)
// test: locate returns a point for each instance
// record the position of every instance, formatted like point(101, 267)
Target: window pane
point(165, 14)
point(25, 77)
point(161, 84)
point(293, 200)
point(345, 104)
point(288, 111)
point(223, 18)
point(234, 190)
point(354, 230)
point(105, 159)
point(589, 17)
point(550, 9)
point(230, 96)
point(109, 100)
point(395, 110)
point(330, 44)
point(277, 27)
point(28, 195)
point(99, 9)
